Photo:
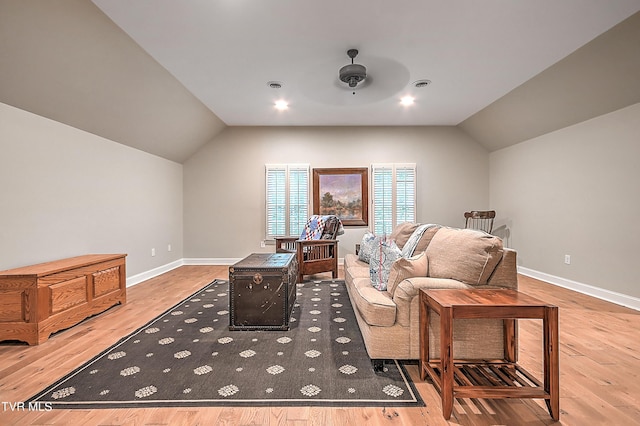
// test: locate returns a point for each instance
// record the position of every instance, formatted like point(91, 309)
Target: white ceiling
point(474, 52)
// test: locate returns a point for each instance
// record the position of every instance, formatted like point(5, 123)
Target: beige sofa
point(444, 258)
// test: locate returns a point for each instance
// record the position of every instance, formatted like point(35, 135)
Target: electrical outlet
point(169, 247)
point(262, 244)
point(153, 252)
point(567, 259)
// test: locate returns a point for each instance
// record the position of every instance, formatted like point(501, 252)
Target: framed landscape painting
point(343, 192)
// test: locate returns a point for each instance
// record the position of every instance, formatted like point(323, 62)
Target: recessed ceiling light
point(407, 100)
point(281, 105)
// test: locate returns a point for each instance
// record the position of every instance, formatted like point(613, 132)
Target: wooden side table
point(488, 378)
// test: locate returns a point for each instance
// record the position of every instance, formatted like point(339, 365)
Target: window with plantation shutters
point(287, 199)
point(394, 196)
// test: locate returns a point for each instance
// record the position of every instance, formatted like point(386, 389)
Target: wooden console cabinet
point(38, 300)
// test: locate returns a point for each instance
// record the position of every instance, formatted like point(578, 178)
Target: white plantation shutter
point(405, 193)
point(287, 199)
point(394, 196)
point(382, 180)
point(276, 200)
point(298, 198)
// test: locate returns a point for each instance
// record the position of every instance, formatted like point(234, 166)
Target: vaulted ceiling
point(166, 76)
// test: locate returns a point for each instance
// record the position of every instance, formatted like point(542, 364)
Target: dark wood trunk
point(262, 290)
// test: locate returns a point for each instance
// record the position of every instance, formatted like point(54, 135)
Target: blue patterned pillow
point(367, 246)
point(386, 252)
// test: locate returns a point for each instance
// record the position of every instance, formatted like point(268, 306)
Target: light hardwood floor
point(599, 367)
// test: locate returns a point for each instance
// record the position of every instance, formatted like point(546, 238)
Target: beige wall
point(575, 191)
point(65, 192)
point(67, 61)
point(224, 181)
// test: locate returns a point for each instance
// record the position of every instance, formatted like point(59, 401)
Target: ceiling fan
point(353, 74)
point(320, 83)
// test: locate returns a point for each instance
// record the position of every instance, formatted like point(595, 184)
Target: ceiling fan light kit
point(353, 74)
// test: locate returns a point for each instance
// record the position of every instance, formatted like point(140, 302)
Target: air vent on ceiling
point(274, 84)
point(421, 83)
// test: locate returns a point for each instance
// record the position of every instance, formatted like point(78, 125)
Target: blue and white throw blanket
point(412, 243)
point(317, 225)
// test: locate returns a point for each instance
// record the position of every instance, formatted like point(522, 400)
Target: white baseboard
point(136, 279)
point(210, 261)
point(600, 293)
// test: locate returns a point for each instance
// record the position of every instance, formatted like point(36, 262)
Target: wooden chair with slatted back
point(482, 220)
point(314, 256)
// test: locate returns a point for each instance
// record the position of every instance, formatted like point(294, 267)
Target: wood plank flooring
point(599, 369)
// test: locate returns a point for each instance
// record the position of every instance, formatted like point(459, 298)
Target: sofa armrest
point(505, 274)
point(408, 289)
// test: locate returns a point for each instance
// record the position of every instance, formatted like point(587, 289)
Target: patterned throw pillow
point(386, 252)
point(367, 247)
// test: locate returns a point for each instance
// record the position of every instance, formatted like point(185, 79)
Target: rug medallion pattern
point(188, 356)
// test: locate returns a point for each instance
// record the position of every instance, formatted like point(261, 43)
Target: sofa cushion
point(355, 267)
point(402, 232)
point(382, 258)
point(406, 268)
point(465, 255)
point(375, 307)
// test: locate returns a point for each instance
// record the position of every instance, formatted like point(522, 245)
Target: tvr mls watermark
point(23, 406)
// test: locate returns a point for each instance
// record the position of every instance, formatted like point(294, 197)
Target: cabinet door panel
point(11, 306)
point(106, 281)
point(67, 294)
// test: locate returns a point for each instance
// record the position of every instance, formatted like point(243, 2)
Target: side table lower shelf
point(488, 380)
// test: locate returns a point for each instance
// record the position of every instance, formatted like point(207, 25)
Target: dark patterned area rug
point(188, 357)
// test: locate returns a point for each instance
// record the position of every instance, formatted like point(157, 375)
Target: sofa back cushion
point(465, 255)
point(402, 232)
